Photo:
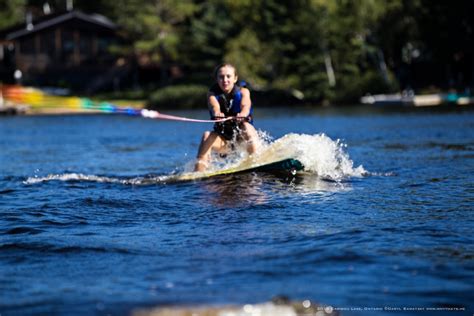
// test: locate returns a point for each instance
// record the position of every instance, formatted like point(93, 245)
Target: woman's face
point(226, 78)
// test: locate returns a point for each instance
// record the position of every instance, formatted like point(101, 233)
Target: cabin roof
point(50, 20)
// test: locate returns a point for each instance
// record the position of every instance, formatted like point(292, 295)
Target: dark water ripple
point(23, 230)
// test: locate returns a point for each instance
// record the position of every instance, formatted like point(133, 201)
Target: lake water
point(382, 219)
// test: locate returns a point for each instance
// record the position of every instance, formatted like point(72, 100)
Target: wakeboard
point(288, 165)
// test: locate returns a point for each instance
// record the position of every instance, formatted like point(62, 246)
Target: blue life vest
point(230, 105)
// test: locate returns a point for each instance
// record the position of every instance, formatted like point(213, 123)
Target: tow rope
point(157, 115)
point(108, 107)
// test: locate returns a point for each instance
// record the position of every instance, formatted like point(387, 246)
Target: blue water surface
point(399, 237)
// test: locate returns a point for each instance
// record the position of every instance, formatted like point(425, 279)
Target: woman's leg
point(250, 136)
point(210, 141)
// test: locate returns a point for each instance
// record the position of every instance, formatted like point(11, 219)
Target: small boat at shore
point(411, 99)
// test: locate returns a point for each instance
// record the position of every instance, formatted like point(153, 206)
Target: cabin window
point(47, 43)
point(67, 43)
point(85, 45)
point(27, 46)
point(103, 44)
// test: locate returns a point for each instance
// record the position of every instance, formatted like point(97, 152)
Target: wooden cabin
point(68, 49)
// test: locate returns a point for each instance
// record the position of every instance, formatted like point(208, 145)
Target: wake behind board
point(285, 165)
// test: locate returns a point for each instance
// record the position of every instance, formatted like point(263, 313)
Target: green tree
point(205, 39)
point(290, 50)
point(155, 28)
point(276, 44)
point(251, 56)
point(348, 35)
point(11, 12)
point(300, 36)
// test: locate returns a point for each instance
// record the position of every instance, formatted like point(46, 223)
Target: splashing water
point(69, 177)
point(319, 154)
point(99, 179)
